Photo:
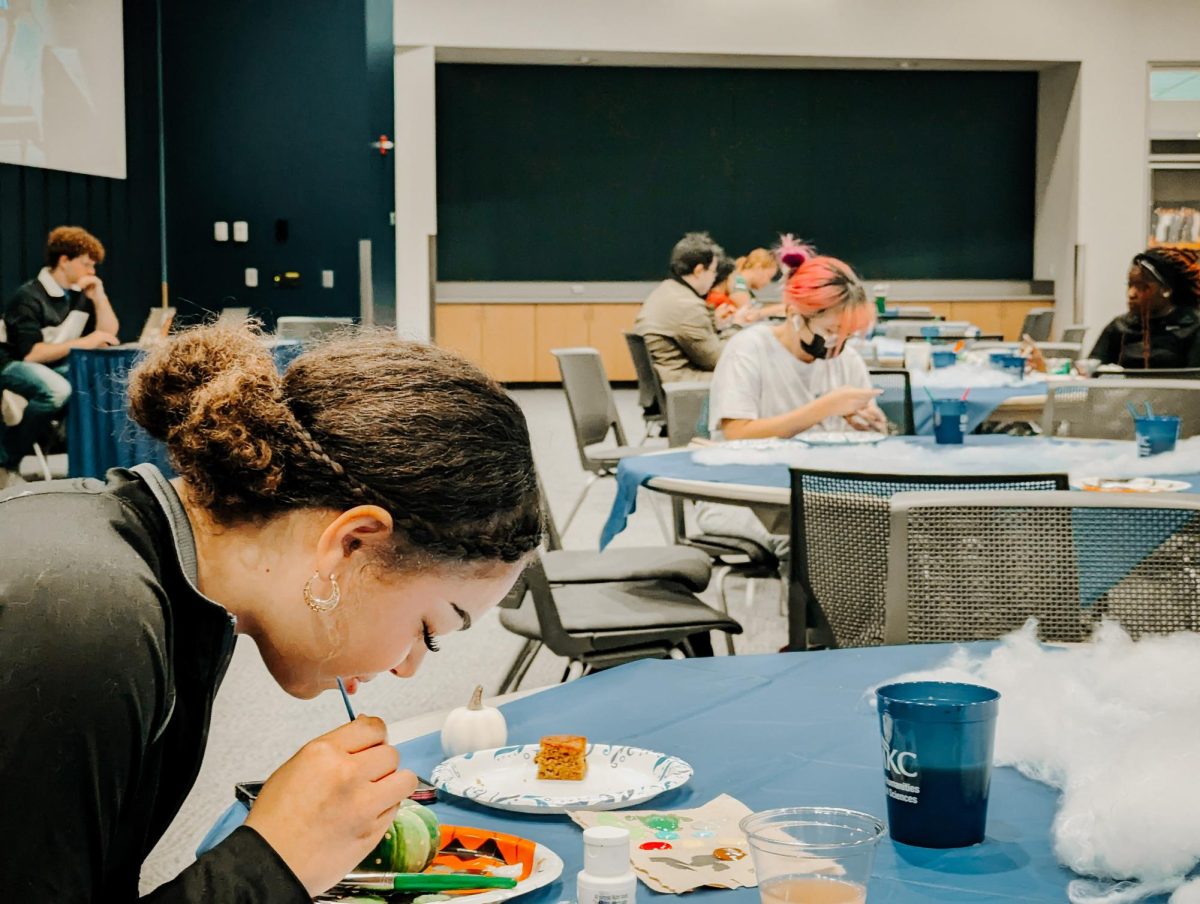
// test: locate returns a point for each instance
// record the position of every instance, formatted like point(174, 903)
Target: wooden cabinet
point(1003, 318)
point(512, 342)
point(556, 326)
point(459, 328)
point(606, 329)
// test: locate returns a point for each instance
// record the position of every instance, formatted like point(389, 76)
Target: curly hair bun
point(214, 396)
point(363, 417)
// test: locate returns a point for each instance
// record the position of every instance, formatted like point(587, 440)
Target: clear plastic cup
point(943, 357)
point(812, 855)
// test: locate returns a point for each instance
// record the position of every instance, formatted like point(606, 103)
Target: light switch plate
point(327, 279)
point(241, 231)
point(220, 231)
point(252, 277)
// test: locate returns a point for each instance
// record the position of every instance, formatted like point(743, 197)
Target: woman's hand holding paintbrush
point(325, 809)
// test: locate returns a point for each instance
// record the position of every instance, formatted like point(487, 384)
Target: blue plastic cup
point(937, 760)
point(931, 332)
point(944, 357)
point(1156, 434)
point(949, 421)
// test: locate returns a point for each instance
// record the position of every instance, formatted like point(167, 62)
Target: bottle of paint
point(607, 877)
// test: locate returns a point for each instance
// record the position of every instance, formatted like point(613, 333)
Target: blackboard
point(592, 173)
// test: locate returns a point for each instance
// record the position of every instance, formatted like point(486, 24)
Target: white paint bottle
point(607, 877)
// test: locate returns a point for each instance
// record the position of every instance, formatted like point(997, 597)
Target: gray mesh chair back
point(304, 328)
point(975, 566)
point(1071, 350)
point(839, 540)
point(1076, 332)
point(1038, 323)
point(589, 398)
point(650, 387)
point(896, 401)
point(1161, 373)
point(687, 403)
point(1097, 409)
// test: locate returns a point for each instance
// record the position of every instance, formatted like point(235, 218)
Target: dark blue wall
point(122, 213)
point(270, 110)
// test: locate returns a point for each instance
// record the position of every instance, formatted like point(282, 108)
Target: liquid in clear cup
point(1156, 434)
point(812, 855)
point(937, 738)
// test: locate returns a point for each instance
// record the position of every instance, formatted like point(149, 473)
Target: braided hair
point(363, 418)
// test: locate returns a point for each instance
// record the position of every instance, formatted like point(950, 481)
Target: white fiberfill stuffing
point(1116, 725)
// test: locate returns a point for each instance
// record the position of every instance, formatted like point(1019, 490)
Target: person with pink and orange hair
point(785, 379)
point(781, 380)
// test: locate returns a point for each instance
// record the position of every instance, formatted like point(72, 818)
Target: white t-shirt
point(757, 377)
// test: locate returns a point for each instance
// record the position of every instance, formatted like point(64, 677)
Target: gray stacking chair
point(1097, 409)
point(605, 624)
point(593, 417)
point(899, 412)
point(1071, 350)
point(839, 566)
point(975, 566)
point(1076, 332)
point(650, 388)
point(305, 328)
point(686, 404)
point(1038, 324)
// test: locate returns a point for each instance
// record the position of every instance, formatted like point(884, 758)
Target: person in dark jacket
point(343, 515)
point(1162, 326)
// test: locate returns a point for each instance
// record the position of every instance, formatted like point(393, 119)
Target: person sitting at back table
point(797, 376)
point(1162, 326)
point(753, 273)
point(718, 296)
point(680, 328)
point(31, 365)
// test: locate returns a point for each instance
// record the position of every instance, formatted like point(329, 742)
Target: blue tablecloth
point(773, 731)
point(100, 434)
point(638, 470)
point(981, 402)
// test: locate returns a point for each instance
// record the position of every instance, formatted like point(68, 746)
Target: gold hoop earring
point(329, 603)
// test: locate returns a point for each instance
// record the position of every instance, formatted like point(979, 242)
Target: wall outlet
point(241, 231)
point(220, 231)
point(252, 277)
point(327, 279)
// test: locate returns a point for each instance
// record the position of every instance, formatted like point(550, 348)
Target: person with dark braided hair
point(1162, 326)
point(342, 515)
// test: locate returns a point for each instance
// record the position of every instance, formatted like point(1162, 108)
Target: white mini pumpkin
point(473, 727)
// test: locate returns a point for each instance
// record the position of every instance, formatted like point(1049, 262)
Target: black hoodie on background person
point(1174, 340)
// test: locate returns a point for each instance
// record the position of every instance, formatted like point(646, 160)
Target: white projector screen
point(62, 91)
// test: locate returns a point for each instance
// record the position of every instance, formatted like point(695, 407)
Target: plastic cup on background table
point(937, 750)
point(931, 332)
point(917, 355)
point(879, 292)
point(949, 421)
point(1008, 363)
point(1156, 434)
point(943, 357)
point(812, 855)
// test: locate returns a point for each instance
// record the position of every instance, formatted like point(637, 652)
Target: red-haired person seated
point(781, 380)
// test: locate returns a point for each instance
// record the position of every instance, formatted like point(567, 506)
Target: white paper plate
point(547, 866)
point(1129, 485)
point(850, 438)
point(506, 778)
